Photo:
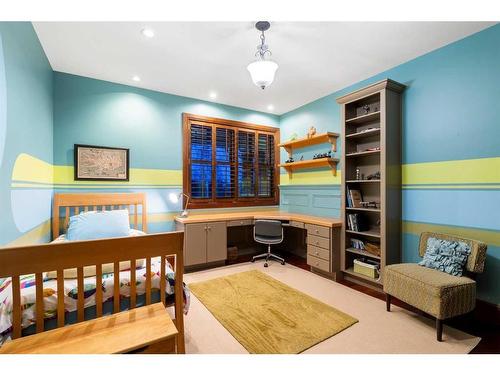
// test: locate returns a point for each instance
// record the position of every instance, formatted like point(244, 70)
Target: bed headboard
point(67, 205)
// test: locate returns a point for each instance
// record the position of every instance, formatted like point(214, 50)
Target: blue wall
point(451, 145)
point(96, 112)
point(26, 126)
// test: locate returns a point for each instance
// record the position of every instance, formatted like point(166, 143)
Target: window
point(229, 163)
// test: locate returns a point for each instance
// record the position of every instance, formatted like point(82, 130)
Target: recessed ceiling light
point(213, 95)
point(270, 107)
point(136, 78)
point(148, 33)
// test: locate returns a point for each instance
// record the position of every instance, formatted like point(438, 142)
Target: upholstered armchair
point(437, 293)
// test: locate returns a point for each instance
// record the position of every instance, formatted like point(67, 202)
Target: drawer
point(318, 241)
point(318, 252)
point(237, 223)
point(297, 224)
point(321, 264)
point(318, 230)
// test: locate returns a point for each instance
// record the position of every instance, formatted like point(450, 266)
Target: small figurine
point(311, 132)
point(294, 136)
point(373, 176)
point(366, 108)
point(290, 160)
point(302, 158)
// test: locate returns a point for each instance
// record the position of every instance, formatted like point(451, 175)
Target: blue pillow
point(98, 224)
point(446, 256)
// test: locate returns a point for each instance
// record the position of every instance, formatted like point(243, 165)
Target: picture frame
point(101, 163)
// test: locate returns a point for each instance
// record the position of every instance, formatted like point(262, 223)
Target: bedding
point(28, 292)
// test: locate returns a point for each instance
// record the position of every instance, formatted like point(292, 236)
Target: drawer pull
point(317, 264)
point(317, 253)
point(317, 231)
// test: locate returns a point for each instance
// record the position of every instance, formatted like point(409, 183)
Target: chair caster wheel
point(266, 265)
point(282, 263)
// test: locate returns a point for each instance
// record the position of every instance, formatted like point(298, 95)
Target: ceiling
point(194, 59)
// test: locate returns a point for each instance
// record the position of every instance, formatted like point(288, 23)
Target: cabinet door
point(195, 247)
point(216, 241)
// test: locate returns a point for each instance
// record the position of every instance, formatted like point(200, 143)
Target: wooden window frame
point(187, 120)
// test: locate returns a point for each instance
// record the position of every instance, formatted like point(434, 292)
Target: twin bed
point(40, 284)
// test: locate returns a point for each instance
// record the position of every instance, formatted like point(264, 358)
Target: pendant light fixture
point(262, 70)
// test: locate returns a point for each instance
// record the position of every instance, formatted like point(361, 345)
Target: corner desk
point(205, 237)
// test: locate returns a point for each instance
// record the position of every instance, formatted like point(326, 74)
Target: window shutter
point(201, 161)
point(246, 164)
point(225, 163)
point(266, 165)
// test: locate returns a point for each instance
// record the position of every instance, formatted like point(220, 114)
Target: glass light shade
point(262, 72)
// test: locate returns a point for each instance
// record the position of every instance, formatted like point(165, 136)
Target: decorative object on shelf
point(367, 109)
point(370, 204)
point(262, 70)
point(302, 158)
point(372, 248)
point(98, 163)
point(372, 149)
point(294, 137)
point(359, 176)
point(290, 160)
point(311, 132)
point(175, 198)
point(323, 155)
point(373, 176)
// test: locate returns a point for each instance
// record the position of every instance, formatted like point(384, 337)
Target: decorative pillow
point(93, 225)
point(89, 271)
point(446, 256)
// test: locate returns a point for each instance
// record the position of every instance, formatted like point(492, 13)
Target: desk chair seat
point(269, 232)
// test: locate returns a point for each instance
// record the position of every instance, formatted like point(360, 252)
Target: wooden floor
point(489, 332)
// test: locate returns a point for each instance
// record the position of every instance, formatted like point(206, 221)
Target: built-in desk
point(205, 237)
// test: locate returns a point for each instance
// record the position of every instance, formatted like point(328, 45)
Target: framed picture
point(98, 163)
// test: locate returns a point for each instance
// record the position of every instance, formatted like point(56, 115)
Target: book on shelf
point(357, 222)
point(354, 198)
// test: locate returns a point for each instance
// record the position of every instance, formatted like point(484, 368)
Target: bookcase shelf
point(364, 133)
point(363, 119)
point(361, 252)
point(363, 209)
point(361, 131)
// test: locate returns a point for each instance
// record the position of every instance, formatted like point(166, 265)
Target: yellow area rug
point(267, 316)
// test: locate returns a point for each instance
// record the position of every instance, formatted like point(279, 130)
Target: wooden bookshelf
point(328, 137)
point(380, 127)
point(314, 163)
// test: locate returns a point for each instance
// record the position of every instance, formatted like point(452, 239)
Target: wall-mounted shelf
point(315, 163)
point(328, 137)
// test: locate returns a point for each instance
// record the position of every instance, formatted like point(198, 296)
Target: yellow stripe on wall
point(322, 177)
point(491, 237)
point(38, 234)
point(472, 171)
point(31, 169)
point(64, 175)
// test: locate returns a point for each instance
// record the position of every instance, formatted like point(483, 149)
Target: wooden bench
point(118, 333)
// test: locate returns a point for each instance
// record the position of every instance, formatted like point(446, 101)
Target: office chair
point(268, 232)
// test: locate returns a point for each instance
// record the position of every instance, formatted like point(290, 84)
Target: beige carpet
point(267, 316)
point(377, 331)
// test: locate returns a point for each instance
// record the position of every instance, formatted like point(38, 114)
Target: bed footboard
point(37, 259)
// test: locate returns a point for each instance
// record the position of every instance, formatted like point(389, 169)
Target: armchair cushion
point(437, 293)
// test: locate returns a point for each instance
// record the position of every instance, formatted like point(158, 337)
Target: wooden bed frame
point(36, 259)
